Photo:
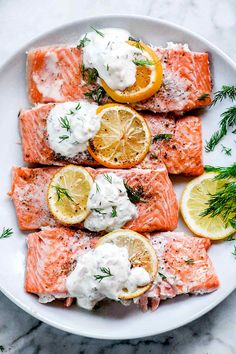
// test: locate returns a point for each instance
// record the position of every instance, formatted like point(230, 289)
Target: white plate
point(113, 321)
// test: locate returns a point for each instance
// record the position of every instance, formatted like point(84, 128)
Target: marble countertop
point(21, 21)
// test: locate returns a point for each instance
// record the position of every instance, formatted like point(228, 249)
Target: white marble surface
point(21, 21)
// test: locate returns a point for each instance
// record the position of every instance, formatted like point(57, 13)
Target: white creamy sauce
point(178, 46)
point(103, 273)
point(113, 58)
point(109, 204)
point(70, 125)
point(45, 85)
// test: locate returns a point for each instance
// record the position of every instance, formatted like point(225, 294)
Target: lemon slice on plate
point(194, 201)
point(148, 78)
point(141, 254)
point(68, 194)
point(123, 139)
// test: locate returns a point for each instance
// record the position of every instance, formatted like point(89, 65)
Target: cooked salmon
point(184, 266)
point(182, 154)
point(158, 209)
point(55, 74)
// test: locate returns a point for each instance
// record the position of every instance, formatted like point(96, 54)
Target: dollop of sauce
point(108, 52)
point(70, 125)
point(103, 273)
point(109, 204)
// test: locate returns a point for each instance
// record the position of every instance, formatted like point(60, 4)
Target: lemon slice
point(194, 201)
point(123, 139)
point(148, 78)
point(68, 194)
point(141, 254)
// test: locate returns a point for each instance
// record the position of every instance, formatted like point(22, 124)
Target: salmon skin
point(55, 74)
point(184, 268)
point(158, 209)
point(182, 154)
point(52, 256)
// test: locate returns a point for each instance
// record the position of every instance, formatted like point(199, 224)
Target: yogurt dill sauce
point(109, 204)
point(70, 125)
point(103, 273)
point(106, 50)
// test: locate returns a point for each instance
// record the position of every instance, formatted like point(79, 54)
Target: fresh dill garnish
point(203, 97)
point(114, 211)
point(223, 203)
point(223, 93)
point(65, 123)
point(63, 137)
point(83, 42)
point(83, 70)
point(96, 94)
point(97, 31)
point(106, 273)
point(137, 43)
point(234, 251)
point(225, 150)
point(222, 172)
point(228, 119)
point(97, 188)
point(92, 75)
point(99, 211)
point(134, 194)
point(6, 233)
point(234, 131)
point(78, 107)
point(108, 177)
point(161, 137)
point(189, 261)
point(162, 276)
point(107, 67)
point(143, 62)
point(62, 192)
point(230, 238)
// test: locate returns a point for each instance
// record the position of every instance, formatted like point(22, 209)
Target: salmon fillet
point(157, 211)
point(184, 268)
point(54, 75)
point(52, 256)
point(182, 154)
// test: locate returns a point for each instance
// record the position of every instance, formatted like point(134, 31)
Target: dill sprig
point(106, 274)
point(97, 94)
point(135, 194)
point(228, 119)
point(65, 123)
point(6, 233)
point(143, 62)
point(114, 211)
point(163, 277)
point(234, 252)
point(99, 211)
point(83, 42)
point(92, 75)
point(226, 150)
point(222, 172)
point(62, 192)
point(203, 97)
point(63, 137)
point(223, 93)
point(97, 31)
point(108, 177)
point(230, 238)
point(189, 261)
point(97, 188)
point(161, 137)
point(223, 203)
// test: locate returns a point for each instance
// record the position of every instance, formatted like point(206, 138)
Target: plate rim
point(8, 62)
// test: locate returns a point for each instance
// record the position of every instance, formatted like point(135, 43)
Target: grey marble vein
point(22, 20)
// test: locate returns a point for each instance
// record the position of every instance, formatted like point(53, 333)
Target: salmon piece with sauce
point(158, 209)
point(55, 74)
point(184, 268)
point(182, 154)
point(52, 256)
